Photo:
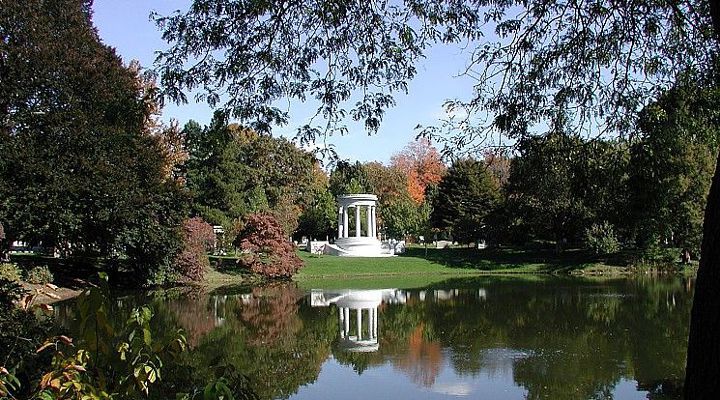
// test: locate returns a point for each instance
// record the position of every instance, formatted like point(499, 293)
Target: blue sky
point(125, 25)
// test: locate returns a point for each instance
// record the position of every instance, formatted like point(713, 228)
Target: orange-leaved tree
point(422, 164)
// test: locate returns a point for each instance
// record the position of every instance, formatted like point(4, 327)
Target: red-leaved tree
point(198, 237)
point(267, 249)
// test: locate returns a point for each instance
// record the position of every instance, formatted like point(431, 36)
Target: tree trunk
point(702, 374)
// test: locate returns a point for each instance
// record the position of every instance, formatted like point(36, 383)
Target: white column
point(357, 221)
point(359, 324)
point(345, 222)
point(346, 321)
point(374, 221)
point(370, 324)
point(375, 323)
point(369, 221)
point(342, 322)
point(340, 221)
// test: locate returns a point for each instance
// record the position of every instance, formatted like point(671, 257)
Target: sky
point(125, 25)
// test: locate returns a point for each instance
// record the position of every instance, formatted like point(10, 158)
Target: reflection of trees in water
point(422, 360)
point(271, 313)
point(266, 339)
point(575, 339)
point(664, 389)
point(564, 339)
point(260, 340)
point(194, 315)
point(583, 338)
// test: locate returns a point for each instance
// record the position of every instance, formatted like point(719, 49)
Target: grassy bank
point(468, 261)
point(418, 267)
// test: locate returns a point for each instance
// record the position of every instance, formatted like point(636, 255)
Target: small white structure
point(316, 246)
point(357, 243)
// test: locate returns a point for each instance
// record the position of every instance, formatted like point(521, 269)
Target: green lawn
point(334, 266)
point(513, 260)
point(459, 261)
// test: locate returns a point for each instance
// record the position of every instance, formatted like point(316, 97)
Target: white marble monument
point(359, 242)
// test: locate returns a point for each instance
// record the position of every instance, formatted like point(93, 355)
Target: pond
point(485, 337)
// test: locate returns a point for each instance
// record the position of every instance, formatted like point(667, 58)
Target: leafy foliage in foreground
point(23, 329)
point(112, 357)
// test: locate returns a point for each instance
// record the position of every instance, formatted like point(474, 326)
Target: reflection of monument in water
point(358, 315)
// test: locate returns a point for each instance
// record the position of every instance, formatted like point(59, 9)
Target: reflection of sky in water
point(386, 382)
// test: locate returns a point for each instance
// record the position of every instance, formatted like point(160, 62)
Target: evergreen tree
point(466, 196)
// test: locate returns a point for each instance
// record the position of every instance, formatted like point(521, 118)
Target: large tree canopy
point(245, 55)
point(602, 59)
point(76, 165)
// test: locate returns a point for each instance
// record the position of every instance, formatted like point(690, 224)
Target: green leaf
point(147, 336)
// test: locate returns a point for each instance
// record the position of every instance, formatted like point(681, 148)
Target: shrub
point(22, 331)
point(39, 275)
point(192, 261)
point(10, 272)
point(658, 258)
point(601, 239)
point(268, 251)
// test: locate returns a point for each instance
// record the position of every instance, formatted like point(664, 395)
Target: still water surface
point(487, 338)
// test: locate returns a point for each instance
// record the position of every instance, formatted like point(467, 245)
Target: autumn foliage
point(192, 262)
point(423, 166)
point(267, 249)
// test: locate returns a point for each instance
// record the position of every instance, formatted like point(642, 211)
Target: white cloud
point(453, 389)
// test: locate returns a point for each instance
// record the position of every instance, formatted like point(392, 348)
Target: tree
point(233, 171)
point(603, 59)
point(345, 45)
point(544, 189)
point(466, 196)
point(78, 169)
point(319, 216)
point(216, 175)
point(268, 252)
point(671, 167)
point(387, 182)
point(402, 216)
point(347, 178)
point(422, 165)
point(499, 164)
point(192, 261)
point(559, 184)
